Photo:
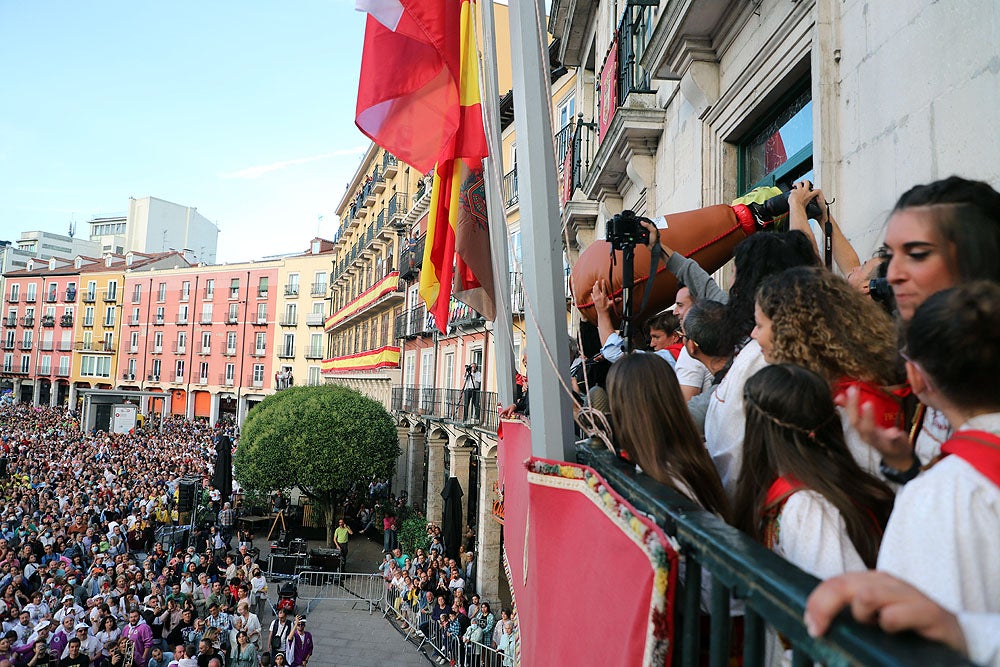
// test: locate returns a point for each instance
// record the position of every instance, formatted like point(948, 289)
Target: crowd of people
point(84, 579)
point(847, 423)
point(434, 594)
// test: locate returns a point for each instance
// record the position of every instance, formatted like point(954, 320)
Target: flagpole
point(503, 324)
point(551, 413)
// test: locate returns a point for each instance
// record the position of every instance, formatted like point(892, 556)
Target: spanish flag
point(419, 99)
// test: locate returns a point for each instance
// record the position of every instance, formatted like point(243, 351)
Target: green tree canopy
point(323, 440)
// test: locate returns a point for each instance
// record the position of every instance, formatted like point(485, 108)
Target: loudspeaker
point(172, 537)
point(186, 495)
point(285, 564)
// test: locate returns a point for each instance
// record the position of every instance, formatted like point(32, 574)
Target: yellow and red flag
point(419, 99)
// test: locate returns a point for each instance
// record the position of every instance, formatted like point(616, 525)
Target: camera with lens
point(879, 289)
point(625, 231)
point(777, 206)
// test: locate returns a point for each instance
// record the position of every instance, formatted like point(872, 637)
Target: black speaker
point(173, 537)
point(285, 564)
point(187, 492)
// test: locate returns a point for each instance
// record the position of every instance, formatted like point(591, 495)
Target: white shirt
point(982, 637)
point(691, 372)
point(725, 420)
point(944, 533)
point(614, 349)
point(814, 537)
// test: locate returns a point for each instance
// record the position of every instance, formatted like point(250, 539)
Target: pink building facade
point(204, 334)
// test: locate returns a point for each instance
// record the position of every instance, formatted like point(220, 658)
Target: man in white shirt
point(471, 386)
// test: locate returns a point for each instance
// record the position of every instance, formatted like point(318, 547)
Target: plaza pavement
point(344, 633)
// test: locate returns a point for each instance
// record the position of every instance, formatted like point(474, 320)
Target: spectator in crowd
point(704, 344)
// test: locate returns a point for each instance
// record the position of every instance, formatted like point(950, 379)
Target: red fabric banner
point(608, 100)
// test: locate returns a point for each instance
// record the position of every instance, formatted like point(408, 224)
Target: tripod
point(280, 516)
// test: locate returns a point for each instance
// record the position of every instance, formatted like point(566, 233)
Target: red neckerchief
point(778, 494)
point(886, 401)
point(979, 449)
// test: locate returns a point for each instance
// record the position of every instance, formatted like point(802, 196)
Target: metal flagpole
point(503, 324)
point(551, 413)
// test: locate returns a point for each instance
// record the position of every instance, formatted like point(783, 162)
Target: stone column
point(435, 479)
point(53, 394)
point(213, 411)
point(36, 393)
point(400, 477)
point(72, 395)
point(17, 390)
point(241, 410)
point(189, 406)
point(460, 469)
point(416, 441)
point(487, 566)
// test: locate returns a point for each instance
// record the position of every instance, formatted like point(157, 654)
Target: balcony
point(62, 372)
point(133, 349)
point(136, 296)
point(45, 345)
point(128, 376)
point(51, 297)
point(30, 297)
point(202, 379)
point(66, 321)
point(232, 319)
point(292, 289)
point(109, 324)
point(208, 294)
point(89, 297)
point(25, 345)
point(65, 346)
point(414, 322)
point(226, 381)
point(378, 182)
point(262, 293)
point(259, 352)
point(10, 321)
point(28, 321)
point(88, 321)
point(462, 315)
point(182, 319)
point(156, 349)
point(94, 346)
point(447, 405)
point(14, 297)
point(226, 350)
point(110, 296)
point(516, 293)
point(184, 294)
point(411, 258)
point(256, 383)
point(510, 188)
point(318, 289)
point(133, 321)
point(179, 378)
point(153, 377)
point(389, 165)
point(578, 211)
point(314, 352)
point(205, 350)
point(315, 319)
point(48, 321)
point(158, 321)
point(399, 206)
point(206, 318)
point(290, 321)
point(161, 296)
point(69, 296)
point(260, 321)
point(180, 348)
point(287, 352)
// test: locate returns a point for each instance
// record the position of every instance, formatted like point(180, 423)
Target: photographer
point(799, 197)
point(470, 388)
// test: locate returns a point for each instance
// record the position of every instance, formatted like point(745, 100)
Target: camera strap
point(654, 263)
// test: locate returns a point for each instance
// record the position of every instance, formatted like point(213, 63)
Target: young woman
point(944, 535)
point(810, 317)
point(246, 653)
point(651, 423)
point(800, 491)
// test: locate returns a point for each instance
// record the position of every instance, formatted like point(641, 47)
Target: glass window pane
point(788, 133)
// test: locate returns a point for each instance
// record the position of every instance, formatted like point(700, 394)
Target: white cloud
point(250, 173)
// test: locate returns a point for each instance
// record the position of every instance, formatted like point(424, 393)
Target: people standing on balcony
point(704, 345)
point(651, 423)
point(470, 388)
point(693, 376)
point(939, 235)
point(612, 345)
point(810, 317)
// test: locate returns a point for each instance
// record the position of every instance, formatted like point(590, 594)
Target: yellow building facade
point(98, 323)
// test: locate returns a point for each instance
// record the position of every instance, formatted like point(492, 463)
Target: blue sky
point(242, 109)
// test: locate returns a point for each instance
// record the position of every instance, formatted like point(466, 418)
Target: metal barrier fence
point(773, 591)
point(314, 587)
point(420, 627)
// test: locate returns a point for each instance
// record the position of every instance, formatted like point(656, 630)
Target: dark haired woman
point(939, 235)
point(944, 536)
point(800, 491)
point(652, 424)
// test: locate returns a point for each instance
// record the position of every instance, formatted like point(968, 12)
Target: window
point(109, 316)
point(315, 378)
point(112, 291)
point(567, 110)
point(206, 313)
point(234, 288)
point(137, 293)
point(32, 292)
point(292, 288)
point(25, 363)
point(161, 293)
point(179, 367)
point(133, 343)
point(319, 283)
point(209, 289)
point(88, 316)
point(203, 373)
point(231, 342)
point(156, 369)
point(131, 368)
point(262, 287)
point(135, 315)
point(91, 290)
point(95, 366)
point(182, 314)
point(288, 345)
point(15, 292)
point(234, 313)
point(63, 365)
point(260, 343)
point(158, 342)
point(291, 313)
point(258, 375)
point(109, 341)
point(159, 314)
point(316, 345)
point(778, 151)
point(206, 342)
point(53, 291)
point(230, 373)
point(449, 370)
point(45, 366)
point(185, 290)
point(262, 313)
point(182, 340)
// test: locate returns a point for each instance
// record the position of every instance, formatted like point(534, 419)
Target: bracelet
point(900, 476)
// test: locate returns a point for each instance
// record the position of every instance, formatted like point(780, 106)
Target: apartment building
point(303, 304)
point(206, 334)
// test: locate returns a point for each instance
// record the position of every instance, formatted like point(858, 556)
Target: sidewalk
point(344, 633)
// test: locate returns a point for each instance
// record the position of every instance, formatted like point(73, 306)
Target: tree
point(323, 440)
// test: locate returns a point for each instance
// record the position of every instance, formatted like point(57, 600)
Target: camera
point(468, 368)
point(624, 231)
point(777, 206)
point(879, 290)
